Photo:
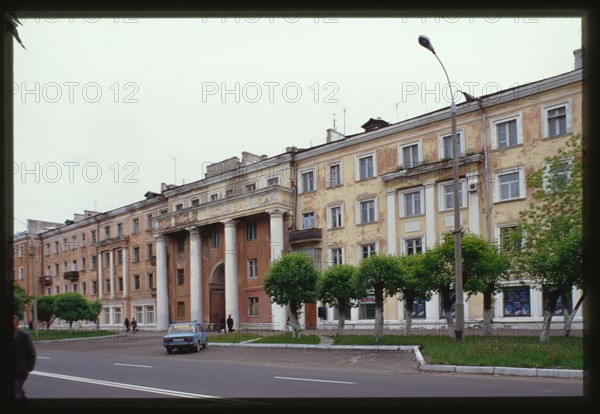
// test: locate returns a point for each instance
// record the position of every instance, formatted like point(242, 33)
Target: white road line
point(315, 380)
point(132, 365)
point(122, 385)
point(40, 357)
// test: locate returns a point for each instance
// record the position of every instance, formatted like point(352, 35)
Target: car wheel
point(198, 347)
point(204, 345)
point(169, 351)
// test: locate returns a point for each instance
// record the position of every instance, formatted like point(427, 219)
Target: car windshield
point(182, 327)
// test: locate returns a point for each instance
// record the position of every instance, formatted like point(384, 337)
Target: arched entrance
point(216, 288)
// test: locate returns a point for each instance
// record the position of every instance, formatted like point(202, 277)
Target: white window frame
point(249, 188)
point(461, 143)
point(494, 129)
point(195, 200)
point(149, 224)
point(74, 241)
point(357, 160)
point(402, 161)
point(213, 194)
point(330, 255)
point(360, 246)
point(274, 177)
point(136, 282)
point(228, 192)
point(304, 215)
point(328, 167)
point(312, 171)
point(21, 273)
point(547, 175)
point(21, 250)
point(498, 232)
point(404, 247)
point(83, 240)
point(120, 226)
point(442, 195)
point(74, 265)
point(359, 210)
point(568, 113)
point(133, 225)
point(252, 268)
point(253, 305)
point(330, 221)
point(402, 203)
point(149, 315)
point(522, 189)
point(178, 207)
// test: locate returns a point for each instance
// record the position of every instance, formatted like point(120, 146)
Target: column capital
point(229, 222)
point(429, 183)
point(160, 238)
point(193, 230)
point(274, 212)
point(391, 192)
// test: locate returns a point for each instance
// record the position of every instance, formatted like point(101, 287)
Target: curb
point(90, 338)
point(461, 369)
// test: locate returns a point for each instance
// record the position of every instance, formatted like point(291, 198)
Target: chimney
point(578, 59)
point(373, 124)
point(333, 135)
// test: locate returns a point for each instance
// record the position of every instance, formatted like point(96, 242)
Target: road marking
point(315, 380)
point(548, 391)
point(40, 357)
point(122, 385)
point(132, 365)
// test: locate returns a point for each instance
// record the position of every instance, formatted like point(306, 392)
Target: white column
point(278, 312)
point(302, 320)
point(125, 270)
point(498, 305)
point(100, 280)
point(430, 215)
point(535, 302)
point(400, 309)
point(473, 205)
point(111, 272)
point(575, 295)
point(432, 308)
point(353, 314)
point(231, 272)
point(195, 275)
point(391, 221)
point(162, 293)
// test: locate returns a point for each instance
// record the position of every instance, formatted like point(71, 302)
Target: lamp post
point(458, 282)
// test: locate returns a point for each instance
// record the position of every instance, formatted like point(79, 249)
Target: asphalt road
point(138, 367)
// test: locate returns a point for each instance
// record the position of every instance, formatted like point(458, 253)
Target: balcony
point(153, 292)
point(45, 280)
point(72, 275)
point(305, 236)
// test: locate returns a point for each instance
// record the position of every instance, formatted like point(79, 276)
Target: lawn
point(232, 337)
point(56, 334)
point(286, 338)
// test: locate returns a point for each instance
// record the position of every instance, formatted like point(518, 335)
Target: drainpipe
point(486, 174)
point(294, 188)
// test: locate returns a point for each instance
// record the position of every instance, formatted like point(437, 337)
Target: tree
point(337, 287)
point(552, 227)
point(21, 299)
point(71, 306)
point(94, 309)
point(418, 283)
point(291, 280)
point(45, 309)
point(383, 274)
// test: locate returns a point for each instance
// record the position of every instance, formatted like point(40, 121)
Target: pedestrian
point(126, 325)
point(24, 355)
point(134, 325)
point(222, 324)
point(230, 323)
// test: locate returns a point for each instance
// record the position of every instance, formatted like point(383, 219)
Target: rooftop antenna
point(397, 116)
point(175, 169)
point(344, 109)
point(95, 204)
point(334, 114)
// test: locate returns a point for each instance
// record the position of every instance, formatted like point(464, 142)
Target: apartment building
point(200, 251)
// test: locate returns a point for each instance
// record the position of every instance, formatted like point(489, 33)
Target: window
point(366, 308)
point(213, 197)
point(307, 181)
point(135, 257)
point(83, 288)
point(516, 301)
point(94, 287)
point(419, 308)
point(135, 226)
point(179, 207)
point(336, 256)
point(367, 250)
point(83, 263)
point(48, 272)
point(308, 220)
point(106, 316)
point(136, 282)
point(47, 249)
point(556, 176)
point(445, 145)
point(252, 268)
point(411, 203)
point(452, 305)
point(195, 202)
point(251, 231)
point(366, 167)
point(272, 181)
point(93, 236)
point(446, 195)
point(335, 217)
point(250, 187)
point(106, 232)
point(119, 229)
point(56, 269)
point(150, 280)
point(510, 239)
point(561, 302)
point(506, 132)
point(214, 238)
point(94, 263)
point(120, 257)
point(367, 211)
point(106, 259)
point(65, 267)
point(180, 245)
point(107, 286)
point(48, 290)
point(117, 315)
point(409, 155)
point(556, 120)
point(56, 289)
point(347, 313)
point(413, 246)
point(74, 265)
point(334, 175)
point(56, 247)
point(138, 314)
point(120, 284)
point(149, 222)
point(510, 185)
point(21, 250)
point(180, 310)
point(180, 278)
point(149, 251)
point(163, 211)
point(65, 245)
point(253, 306)
point(21, 271)
point(149, 314)
point(73, 242)
point(229, 193)
point(82, 239)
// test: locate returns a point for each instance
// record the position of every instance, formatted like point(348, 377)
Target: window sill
point(519, 145)
point(367, 223)
point(510, 200)
point(548, 138)
point(359, 180)
point(307, 192)
point(413, 216)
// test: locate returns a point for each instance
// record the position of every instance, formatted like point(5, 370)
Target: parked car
point(185, 335)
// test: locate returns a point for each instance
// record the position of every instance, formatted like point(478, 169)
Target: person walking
point(230, 323)
point(222, 324)
point(126, 325)
point(24, 355)
point(133, 325)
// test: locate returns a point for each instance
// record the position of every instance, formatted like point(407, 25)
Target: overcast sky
point(107, 110)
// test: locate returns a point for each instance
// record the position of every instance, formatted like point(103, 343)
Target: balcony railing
point(305, 235)
point(45, 280)
point(153, 292)
point(72, 275)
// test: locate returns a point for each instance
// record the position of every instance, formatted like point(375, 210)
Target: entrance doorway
point(310, 310)
point(217, 294)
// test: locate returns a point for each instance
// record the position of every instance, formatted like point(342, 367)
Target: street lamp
point(458, 282)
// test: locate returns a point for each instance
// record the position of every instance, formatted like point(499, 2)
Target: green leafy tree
point(21, 300)
point(291, 281)
point(552, 227)
point(418, 282)
point(94, 309)
point(383, 275)
point(45, 309)
point(337, 287)
point(71, 306)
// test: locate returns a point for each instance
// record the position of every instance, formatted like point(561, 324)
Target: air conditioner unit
point(472, 187)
